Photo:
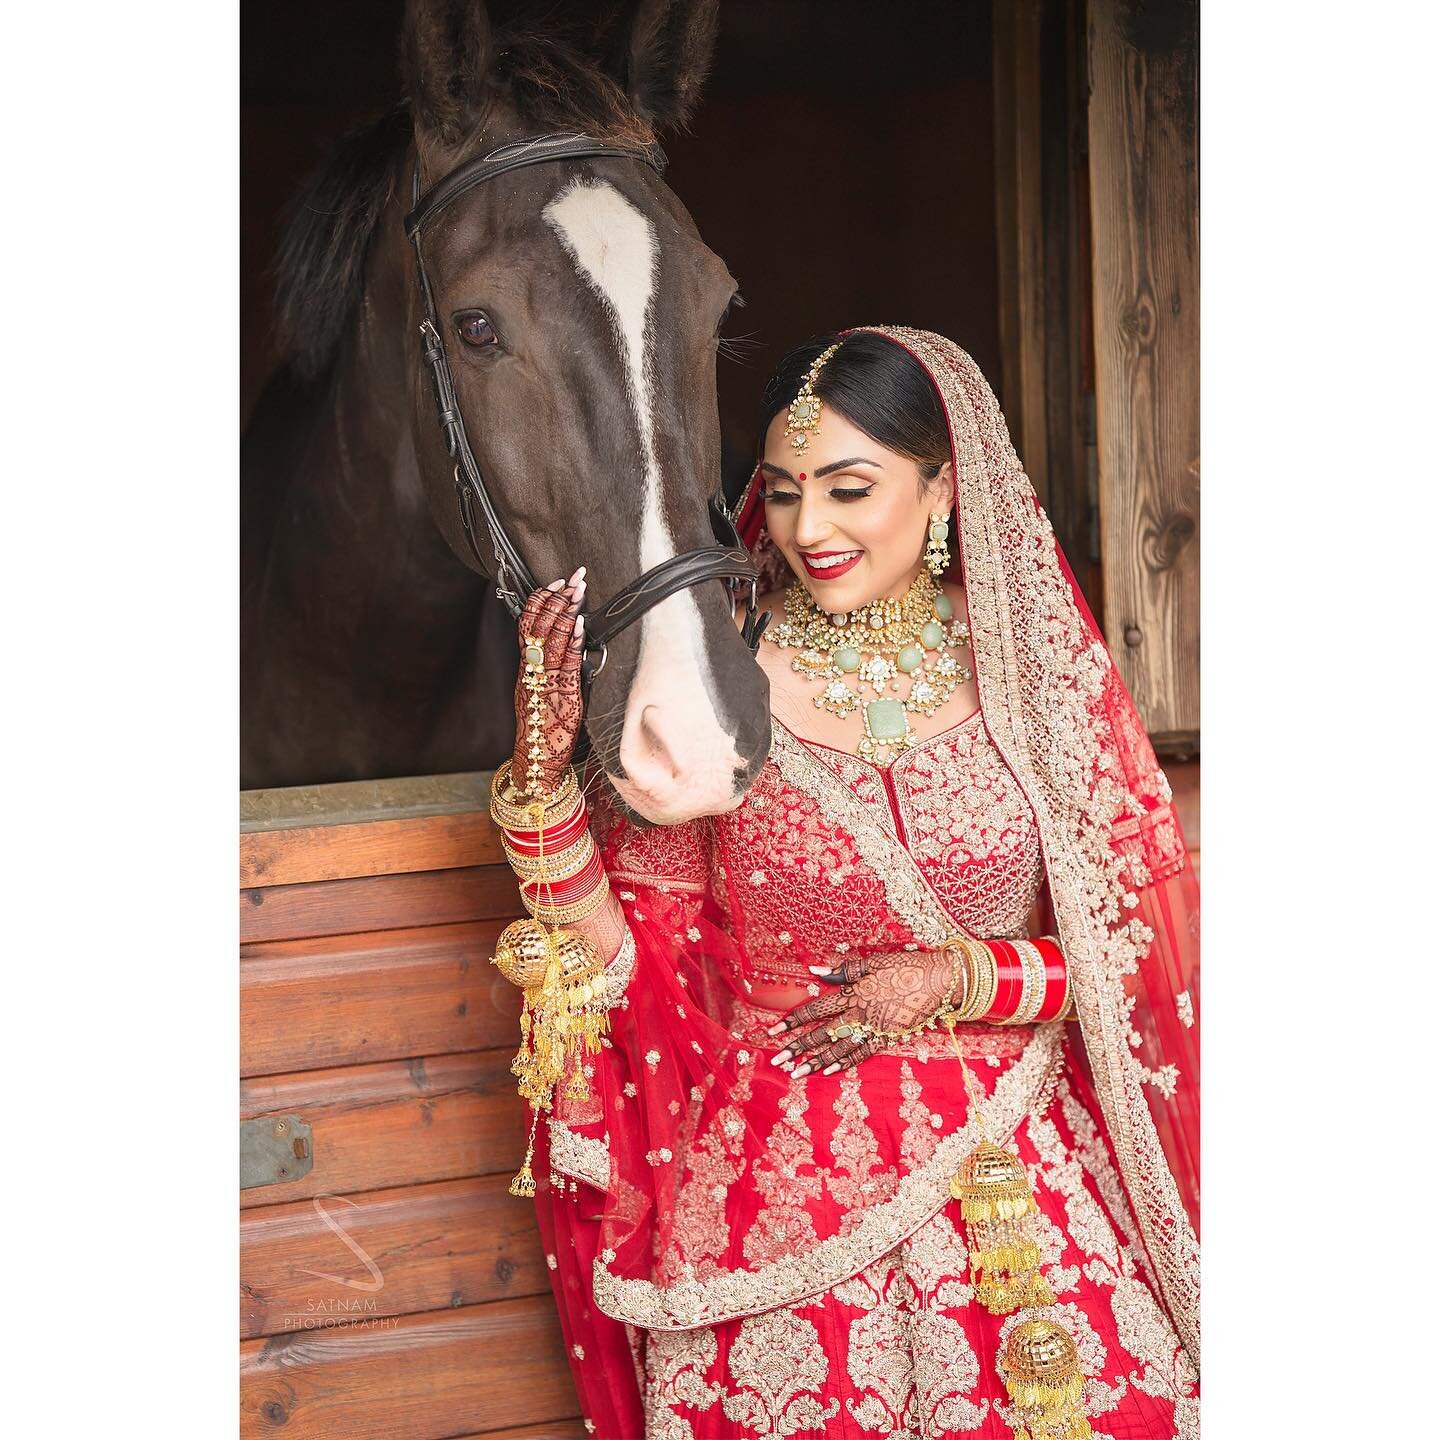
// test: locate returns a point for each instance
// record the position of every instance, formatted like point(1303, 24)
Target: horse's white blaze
point(614, 248)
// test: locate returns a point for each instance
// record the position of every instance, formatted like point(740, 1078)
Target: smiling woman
point(777, 1198)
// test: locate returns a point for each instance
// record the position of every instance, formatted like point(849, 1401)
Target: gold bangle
point(987, 981)
point(957, 946)
point(511, 809)
point(569, 914)
point(558, 866)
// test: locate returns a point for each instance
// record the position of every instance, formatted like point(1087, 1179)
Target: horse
point(582, 314)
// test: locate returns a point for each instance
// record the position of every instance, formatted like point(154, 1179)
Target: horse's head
point(580, 312)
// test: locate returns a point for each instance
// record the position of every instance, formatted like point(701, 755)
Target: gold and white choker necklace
point(874, 647)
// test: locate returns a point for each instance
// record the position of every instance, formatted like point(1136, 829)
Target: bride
point(871, 1107)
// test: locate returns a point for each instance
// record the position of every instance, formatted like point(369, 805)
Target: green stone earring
point(937, 554)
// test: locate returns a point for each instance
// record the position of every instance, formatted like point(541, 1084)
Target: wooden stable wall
point(1097, 209)
point(368, 913)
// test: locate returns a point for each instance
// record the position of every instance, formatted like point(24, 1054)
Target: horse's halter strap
point(726, 560)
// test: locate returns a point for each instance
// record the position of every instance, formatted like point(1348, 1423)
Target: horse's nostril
point(653, 738)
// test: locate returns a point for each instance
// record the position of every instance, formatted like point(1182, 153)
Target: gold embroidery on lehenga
point(789, 1180)
point(920, 1138)
point(912, 1364)
point(676, 1363)
point(692, 1301)
point(779, 1367)
point(859, 1177)
point(1163, 1368)
point(713, 1163)
point(583, 1157)
point(881, 1353)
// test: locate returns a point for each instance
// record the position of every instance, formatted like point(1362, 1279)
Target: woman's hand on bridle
point(552, 619)
point(892, 991)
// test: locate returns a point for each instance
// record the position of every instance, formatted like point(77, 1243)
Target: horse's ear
point(444, 57)
point(670, 47)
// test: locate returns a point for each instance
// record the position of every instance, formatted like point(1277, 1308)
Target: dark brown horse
point(584, 311)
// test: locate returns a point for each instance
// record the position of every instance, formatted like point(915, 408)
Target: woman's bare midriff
point(778, 997)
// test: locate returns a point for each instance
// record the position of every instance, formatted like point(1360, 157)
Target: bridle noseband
point(726, 560)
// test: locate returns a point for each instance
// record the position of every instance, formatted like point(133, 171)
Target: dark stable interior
point(841, 162)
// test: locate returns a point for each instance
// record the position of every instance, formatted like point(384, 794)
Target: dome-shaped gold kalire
point(522, 954)
point(995, 1200)
point(992, 1182)
point(562, 1019)
point(1040, 1350)
point(1042, 1372)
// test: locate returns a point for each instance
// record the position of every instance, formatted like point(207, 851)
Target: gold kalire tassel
point(1042, 1373)
point(1039, 1362)
point(561, 1021)
point(994, 1194)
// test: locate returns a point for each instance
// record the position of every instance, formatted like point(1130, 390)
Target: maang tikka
point(803, 421)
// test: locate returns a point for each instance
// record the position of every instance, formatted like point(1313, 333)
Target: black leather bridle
point(726, 560)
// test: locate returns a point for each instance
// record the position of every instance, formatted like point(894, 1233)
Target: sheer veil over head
point(1123, 891)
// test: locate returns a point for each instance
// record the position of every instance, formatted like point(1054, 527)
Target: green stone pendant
point(885, 720)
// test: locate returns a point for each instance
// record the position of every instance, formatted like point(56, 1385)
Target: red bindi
point(802, 474)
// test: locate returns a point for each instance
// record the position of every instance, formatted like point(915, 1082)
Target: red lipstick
point(829, 571)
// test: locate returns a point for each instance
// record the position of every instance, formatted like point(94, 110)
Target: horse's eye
point(475, 329)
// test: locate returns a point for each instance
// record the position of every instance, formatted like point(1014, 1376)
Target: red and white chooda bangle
point(1025, 982)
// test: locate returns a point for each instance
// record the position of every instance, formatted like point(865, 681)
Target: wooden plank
point(478, 1369)
point(347, 1000)
point(378, 902)
point(1144, 138)
point(399, 1123)
point(375, 847)
point(436, 1247)
point(352, 802)
point(553, 1430)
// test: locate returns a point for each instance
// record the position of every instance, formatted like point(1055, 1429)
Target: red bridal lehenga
point(739, 1253)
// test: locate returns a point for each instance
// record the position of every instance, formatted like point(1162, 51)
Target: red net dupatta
point(1125, 898)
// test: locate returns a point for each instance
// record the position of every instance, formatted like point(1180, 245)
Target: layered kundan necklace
point(877, 648)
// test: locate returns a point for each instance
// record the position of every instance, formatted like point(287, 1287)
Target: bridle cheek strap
point(727, 560)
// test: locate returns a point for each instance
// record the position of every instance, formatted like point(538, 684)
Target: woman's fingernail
point(823, 971)
point(800, 1070)
point(776, 1028)
point(556, 585)
point(781, 1058)
point(579, 624)
point(580, 573)
point(831, 1069)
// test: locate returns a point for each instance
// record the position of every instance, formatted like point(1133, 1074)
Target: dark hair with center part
point(878, 386)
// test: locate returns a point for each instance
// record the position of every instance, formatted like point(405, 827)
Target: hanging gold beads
point(999, 1210)
point(1041, 1368)
point(562, 1018)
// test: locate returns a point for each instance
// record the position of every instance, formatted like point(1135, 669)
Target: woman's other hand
point(892, 992)
point(552, 619)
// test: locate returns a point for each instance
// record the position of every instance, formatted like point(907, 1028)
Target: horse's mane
point(326, 234)
point(549, 81)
